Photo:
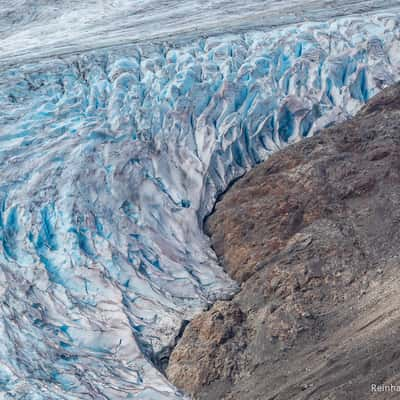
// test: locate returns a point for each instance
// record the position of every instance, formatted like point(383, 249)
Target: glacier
point(33, 29)
point(110, 159)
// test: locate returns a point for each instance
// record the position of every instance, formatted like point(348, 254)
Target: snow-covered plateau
point(109, 161)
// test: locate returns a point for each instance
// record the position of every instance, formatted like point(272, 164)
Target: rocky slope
point(312, 236)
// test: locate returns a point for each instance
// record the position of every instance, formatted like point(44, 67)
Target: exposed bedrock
point(312, 236)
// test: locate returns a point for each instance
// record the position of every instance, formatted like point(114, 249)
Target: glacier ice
point(33, 29)
point(109, 162)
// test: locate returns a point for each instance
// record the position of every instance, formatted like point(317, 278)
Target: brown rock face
point(313, 236)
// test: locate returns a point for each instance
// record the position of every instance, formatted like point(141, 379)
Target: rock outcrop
point(312, 235)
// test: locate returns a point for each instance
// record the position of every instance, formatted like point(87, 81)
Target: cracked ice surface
point(42, 28)
point(109, 160)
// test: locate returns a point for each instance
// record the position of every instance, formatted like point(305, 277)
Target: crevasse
point(110, 160)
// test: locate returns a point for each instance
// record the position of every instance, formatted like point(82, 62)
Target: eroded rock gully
point(312, 235)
